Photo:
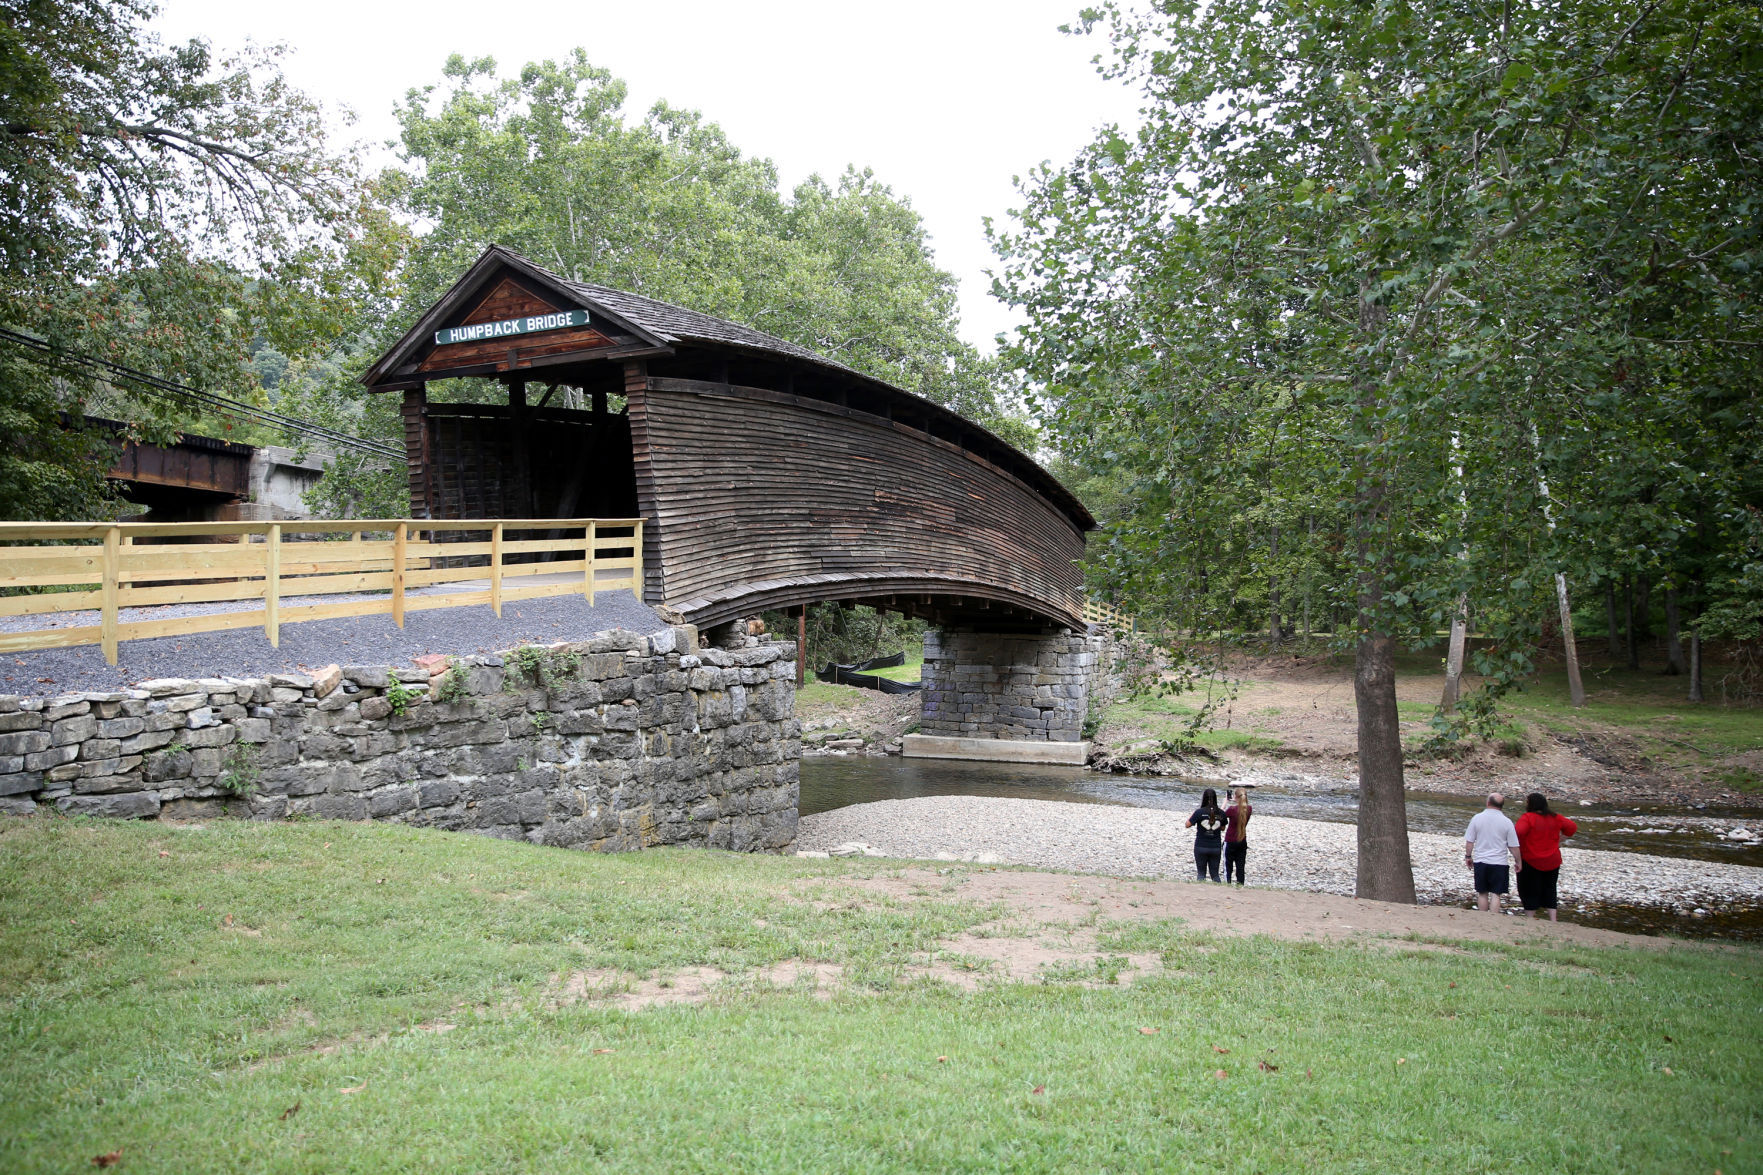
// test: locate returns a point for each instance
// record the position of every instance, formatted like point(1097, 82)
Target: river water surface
point(1671, 831)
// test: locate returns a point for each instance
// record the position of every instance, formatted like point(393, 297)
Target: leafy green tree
point(147, 190)
point(546, 163)
point(1356, 247)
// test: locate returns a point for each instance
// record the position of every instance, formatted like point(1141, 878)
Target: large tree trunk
point(1643, 608)
point(1673, 635)
point(1615, 626)
point(1386, 872)
point(1695, 647)
point(1454, 654)
point(1273, 594)
point(1634, 650)
point(1575, 684)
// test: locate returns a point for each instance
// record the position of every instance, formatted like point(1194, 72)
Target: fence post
point(107, 625)
point(588, 559)
point(272, 585)
point(400, 539)
point(637, 564)
point(496, 568)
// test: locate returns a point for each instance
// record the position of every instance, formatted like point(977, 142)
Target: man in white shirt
point(1491, 837)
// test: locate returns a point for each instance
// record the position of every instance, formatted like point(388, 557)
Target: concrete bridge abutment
point(1012, 697)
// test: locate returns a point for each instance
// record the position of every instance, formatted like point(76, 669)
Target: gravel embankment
point(355, 640)
point(1283, 853)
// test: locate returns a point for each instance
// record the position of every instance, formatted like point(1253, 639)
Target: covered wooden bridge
point(769, 476)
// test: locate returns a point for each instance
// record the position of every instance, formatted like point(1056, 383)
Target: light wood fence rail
point(107, 567)
point(1107, 615)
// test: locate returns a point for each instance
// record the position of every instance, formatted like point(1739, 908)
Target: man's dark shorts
point(1492, 878)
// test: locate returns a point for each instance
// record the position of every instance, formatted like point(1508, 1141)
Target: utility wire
point(171, 390)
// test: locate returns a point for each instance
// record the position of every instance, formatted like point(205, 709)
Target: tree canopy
point(155, 197)
point(1417, 298)
point(545, 163)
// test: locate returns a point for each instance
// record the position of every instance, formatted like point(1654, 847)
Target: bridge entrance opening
point(554, 450)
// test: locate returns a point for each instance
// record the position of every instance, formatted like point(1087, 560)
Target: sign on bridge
point(531, 324)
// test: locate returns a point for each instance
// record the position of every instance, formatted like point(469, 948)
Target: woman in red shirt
point(1539, 844)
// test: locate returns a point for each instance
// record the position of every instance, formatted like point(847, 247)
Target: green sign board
point(531, 324)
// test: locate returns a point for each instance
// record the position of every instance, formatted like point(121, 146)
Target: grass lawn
point(178, 993)
point(1165, 718)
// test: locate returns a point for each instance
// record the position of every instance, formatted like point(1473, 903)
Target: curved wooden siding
point(761, 499)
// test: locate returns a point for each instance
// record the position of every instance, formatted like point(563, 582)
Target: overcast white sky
point(946, 101)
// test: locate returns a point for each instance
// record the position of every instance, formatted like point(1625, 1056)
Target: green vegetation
point(453, 682)
point(547, 668)
point(912, 669)
point(1380, 315)
point(322, 997)
point(1167, 723)
point(400, 695)
point(240, 772)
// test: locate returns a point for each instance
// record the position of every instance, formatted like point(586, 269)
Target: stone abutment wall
point(615, 743)
point(1026, 687)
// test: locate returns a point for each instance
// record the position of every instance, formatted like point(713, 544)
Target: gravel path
point(1283, 853)
point(355, 640)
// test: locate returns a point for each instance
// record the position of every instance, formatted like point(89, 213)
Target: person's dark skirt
point(1206, 862)
point(1536, 887)
point(1236, 852)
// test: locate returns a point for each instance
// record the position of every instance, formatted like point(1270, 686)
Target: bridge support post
point(1010, 697)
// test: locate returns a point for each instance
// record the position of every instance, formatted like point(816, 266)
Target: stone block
point(18, 782)
point(212, 736)
point(205, 762)
point(437, 793)
point(51, 757)
point(71, 730)
point(348, 806)
point(374, 709)
point(391, 801)
point(368, 676)
point(252, 730)
point(20, 720)
point(127, 805)
point(65, 706)
point(326, 680)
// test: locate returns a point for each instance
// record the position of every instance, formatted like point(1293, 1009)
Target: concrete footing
point(994, 750)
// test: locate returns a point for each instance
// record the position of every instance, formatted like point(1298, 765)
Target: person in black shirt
point(1209, 822)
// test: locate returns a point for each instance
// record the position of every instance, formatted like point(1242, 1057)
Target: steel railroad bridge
point(771, 477)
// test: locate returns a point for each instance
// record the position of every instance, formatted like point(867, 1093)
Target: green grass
point(823, 694)
point(911, 670)
point(1166, 718)
point(136, 1016)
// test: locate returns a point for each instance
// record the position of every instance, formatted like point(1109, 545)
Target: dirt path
point(1054, 927)
point(1305, 706)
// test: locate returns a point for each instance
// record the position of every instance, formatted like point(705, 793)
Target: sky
point(947, 102)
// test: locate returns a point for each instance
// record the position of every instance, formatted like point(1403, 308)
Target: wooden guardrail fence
point(107, 567)
point(1107, 615)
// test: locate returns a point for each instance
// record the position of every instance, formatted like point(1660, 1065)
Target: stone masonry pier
point(1020, 697)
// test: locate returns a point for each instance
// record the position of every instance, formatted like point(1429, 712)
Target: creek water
point(1671, 831)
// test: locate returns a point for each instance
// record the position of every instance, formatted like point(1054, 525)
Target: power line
point(171, 390)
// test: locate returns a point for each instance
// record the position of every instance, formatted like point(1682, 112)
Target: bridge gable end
point(526, 317)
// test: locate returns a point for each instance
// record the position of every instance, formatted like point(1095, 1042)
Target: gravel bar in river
point(1283, 853)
